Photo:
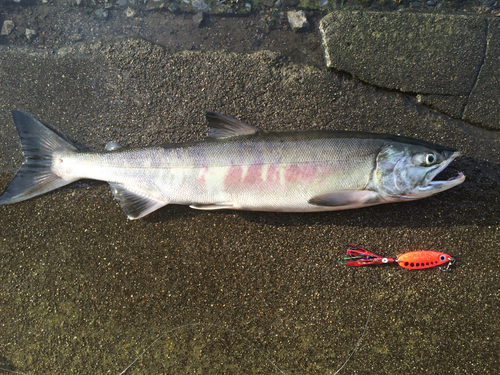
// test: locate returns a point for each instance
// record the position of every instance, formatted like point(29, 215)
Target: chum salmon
point(238, 167)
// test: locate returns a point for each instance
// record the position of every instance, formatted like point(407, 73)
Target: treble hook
point(450, 263)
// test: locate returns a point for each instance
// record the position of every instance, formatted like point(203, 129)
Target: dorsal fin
point(225, 127)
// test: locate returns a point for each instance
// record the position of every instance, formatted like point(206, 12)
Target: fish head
point(406, 170)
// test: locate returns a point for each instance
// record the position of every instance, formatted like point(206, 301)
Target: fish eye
point(442, 258)
point(425, 159)
point(430, 158)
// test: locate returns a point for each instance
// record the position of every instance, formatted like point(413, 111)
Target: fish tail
point(38, 144)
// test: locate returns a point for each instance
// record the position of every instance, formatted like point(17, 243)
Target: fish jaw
point(429, 186)
point(434, 187)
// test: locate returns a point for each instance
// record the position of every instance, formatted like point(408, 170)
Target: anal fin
point(346, 198)
point(213, 206)
point(134, 204)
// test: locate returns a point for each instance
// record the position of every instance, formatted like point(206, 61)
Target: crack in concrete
point(474, 83)
point(417, 97)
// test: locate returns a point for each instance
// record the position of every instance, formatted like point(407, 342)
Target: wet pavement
point(84, 290)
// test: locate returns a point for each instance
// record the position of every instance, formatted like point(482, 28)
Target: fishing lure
point(413, 260)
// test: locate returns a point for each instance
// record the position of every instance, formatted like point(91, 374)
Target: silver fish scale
point(172, 174)
point(239, 152)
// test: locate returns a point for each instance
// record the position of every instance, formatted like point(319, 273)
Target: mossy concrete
point(483, 106)
point(448, 60)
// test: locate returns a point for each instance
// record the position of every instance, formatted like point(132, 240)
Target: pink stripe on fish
point(273, 174)
point(233, 176)
point(295, 173)
point(301, 173)
point(253, 176)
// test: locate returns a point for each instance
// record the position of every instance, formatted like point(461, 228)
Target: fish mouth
point(429, 186)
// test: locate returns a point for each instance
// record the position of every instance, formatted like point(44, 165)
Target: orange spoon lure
point(413, 260)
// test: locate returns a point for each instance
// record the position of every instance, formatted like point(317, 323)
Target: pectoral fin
point(346, 198)
point(134, 204)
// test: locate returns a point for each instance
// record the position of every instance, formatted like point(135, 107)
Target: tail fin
point(38, 143)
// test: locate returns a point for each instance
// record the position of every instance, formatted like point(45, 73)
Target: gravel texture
point(84, 290)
